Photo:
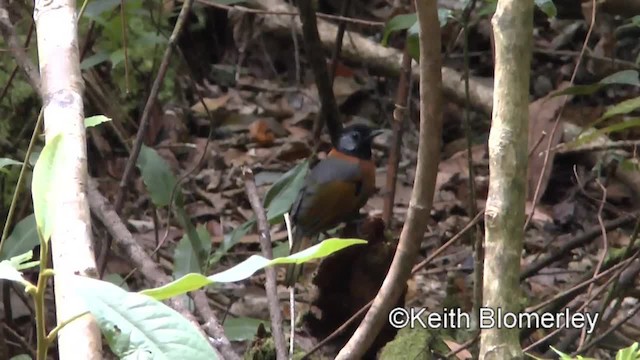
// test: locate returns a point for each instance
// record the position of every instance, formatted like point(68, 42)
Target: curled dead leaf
point(260, 132)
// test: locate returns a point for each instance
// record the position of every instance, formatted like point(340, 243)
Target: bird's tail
point(299, 243)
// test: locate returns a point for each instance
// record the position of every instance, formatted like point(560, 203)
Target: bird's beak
point(375, 133)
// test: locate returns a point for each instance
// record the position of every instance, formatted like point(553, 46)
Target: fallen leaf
point(260, 132)
point(542, 116)
point(212, 104)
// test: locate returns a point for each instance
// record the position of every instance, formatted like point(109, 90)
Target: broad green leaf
point(443, 16)
point(23, 238)
point(44, 186)
point(547, 7)
point(242, 328)
point(136, 325)
point(623, 107)
point(398, 23)
point(21, 357)
point(230, 240)
point(95, 59)
point(4, 162)
point(590, 136)
point(629, 353)
point(185, 260)
point(95, 120)
point(96, 8)
point(245, 269)
point(283, 193)
point(157, 177)
point(624, 77)
point(9, 272)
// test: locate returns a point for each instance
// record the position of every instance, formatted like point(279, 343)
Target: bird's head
point(355, 140)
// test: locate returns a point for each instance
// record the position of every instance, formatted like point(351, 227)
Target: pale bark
point(505, 209)
point(71, 245)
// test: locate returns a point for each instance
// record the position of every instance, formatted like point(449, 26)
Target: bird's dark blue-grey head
point(355, 140)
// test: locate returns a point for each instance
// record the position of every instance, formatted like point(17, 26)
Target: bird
point(333, 191)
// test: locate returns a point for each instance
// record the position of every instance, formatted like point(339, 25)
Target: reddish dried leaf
point(260, 132)
point(542, 116)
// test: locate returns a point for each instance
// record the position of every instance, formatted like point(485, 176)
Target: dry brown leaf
point(453, 346)
point(212, 104)
point(234, 158)
point(260, 132)
point(542, 116)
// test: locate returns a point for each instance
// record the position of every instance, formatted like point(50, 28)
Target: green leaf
point(4, 162)
point(21, 357)
point(623, 107)
point(242, 328)
point(95, 59)
point(590, 136)
point(8, 271)
point(230, 240)
point(185, 259)
point(624, 77)
point(137, 326)
point(245, 269)
point(443, 17)
point(398, 23)
point(95, 120)
point(21, 262)
point(44, 186)
point(629, 353)
point(283, 192)
point(547, 7)
point(156, 175)
point(96, 8)
point(23, 238)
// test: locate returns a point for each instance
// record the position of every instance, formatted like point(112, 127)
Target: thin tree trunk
point(505, 209)
point(71, 245)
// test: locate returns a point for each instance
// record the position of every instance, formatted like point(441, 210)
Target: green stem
point(52, 335)
point(41, 331)
point(21, 177)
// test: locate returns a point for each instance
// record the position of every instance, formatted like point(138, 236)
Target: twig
point(151, 101)
point(315, 55)
point(622, 144)
point(399, 116)
point(292, 289)
point(424, 184)
point(292, 13)
point(267, 251)
point(335, 59)
point(547, 153)
point(605, 250)
point(124, 240)
point(577, 241)
point(17, 50)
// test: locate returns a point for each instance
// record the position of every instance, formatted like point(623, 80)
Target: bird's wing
point(332, 192)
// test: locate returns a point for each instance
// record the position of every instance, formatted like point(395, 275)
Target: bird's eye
point(355, 136)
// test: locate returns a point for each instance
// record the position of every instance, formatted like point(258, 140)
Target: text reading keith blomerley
point(491, 318)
